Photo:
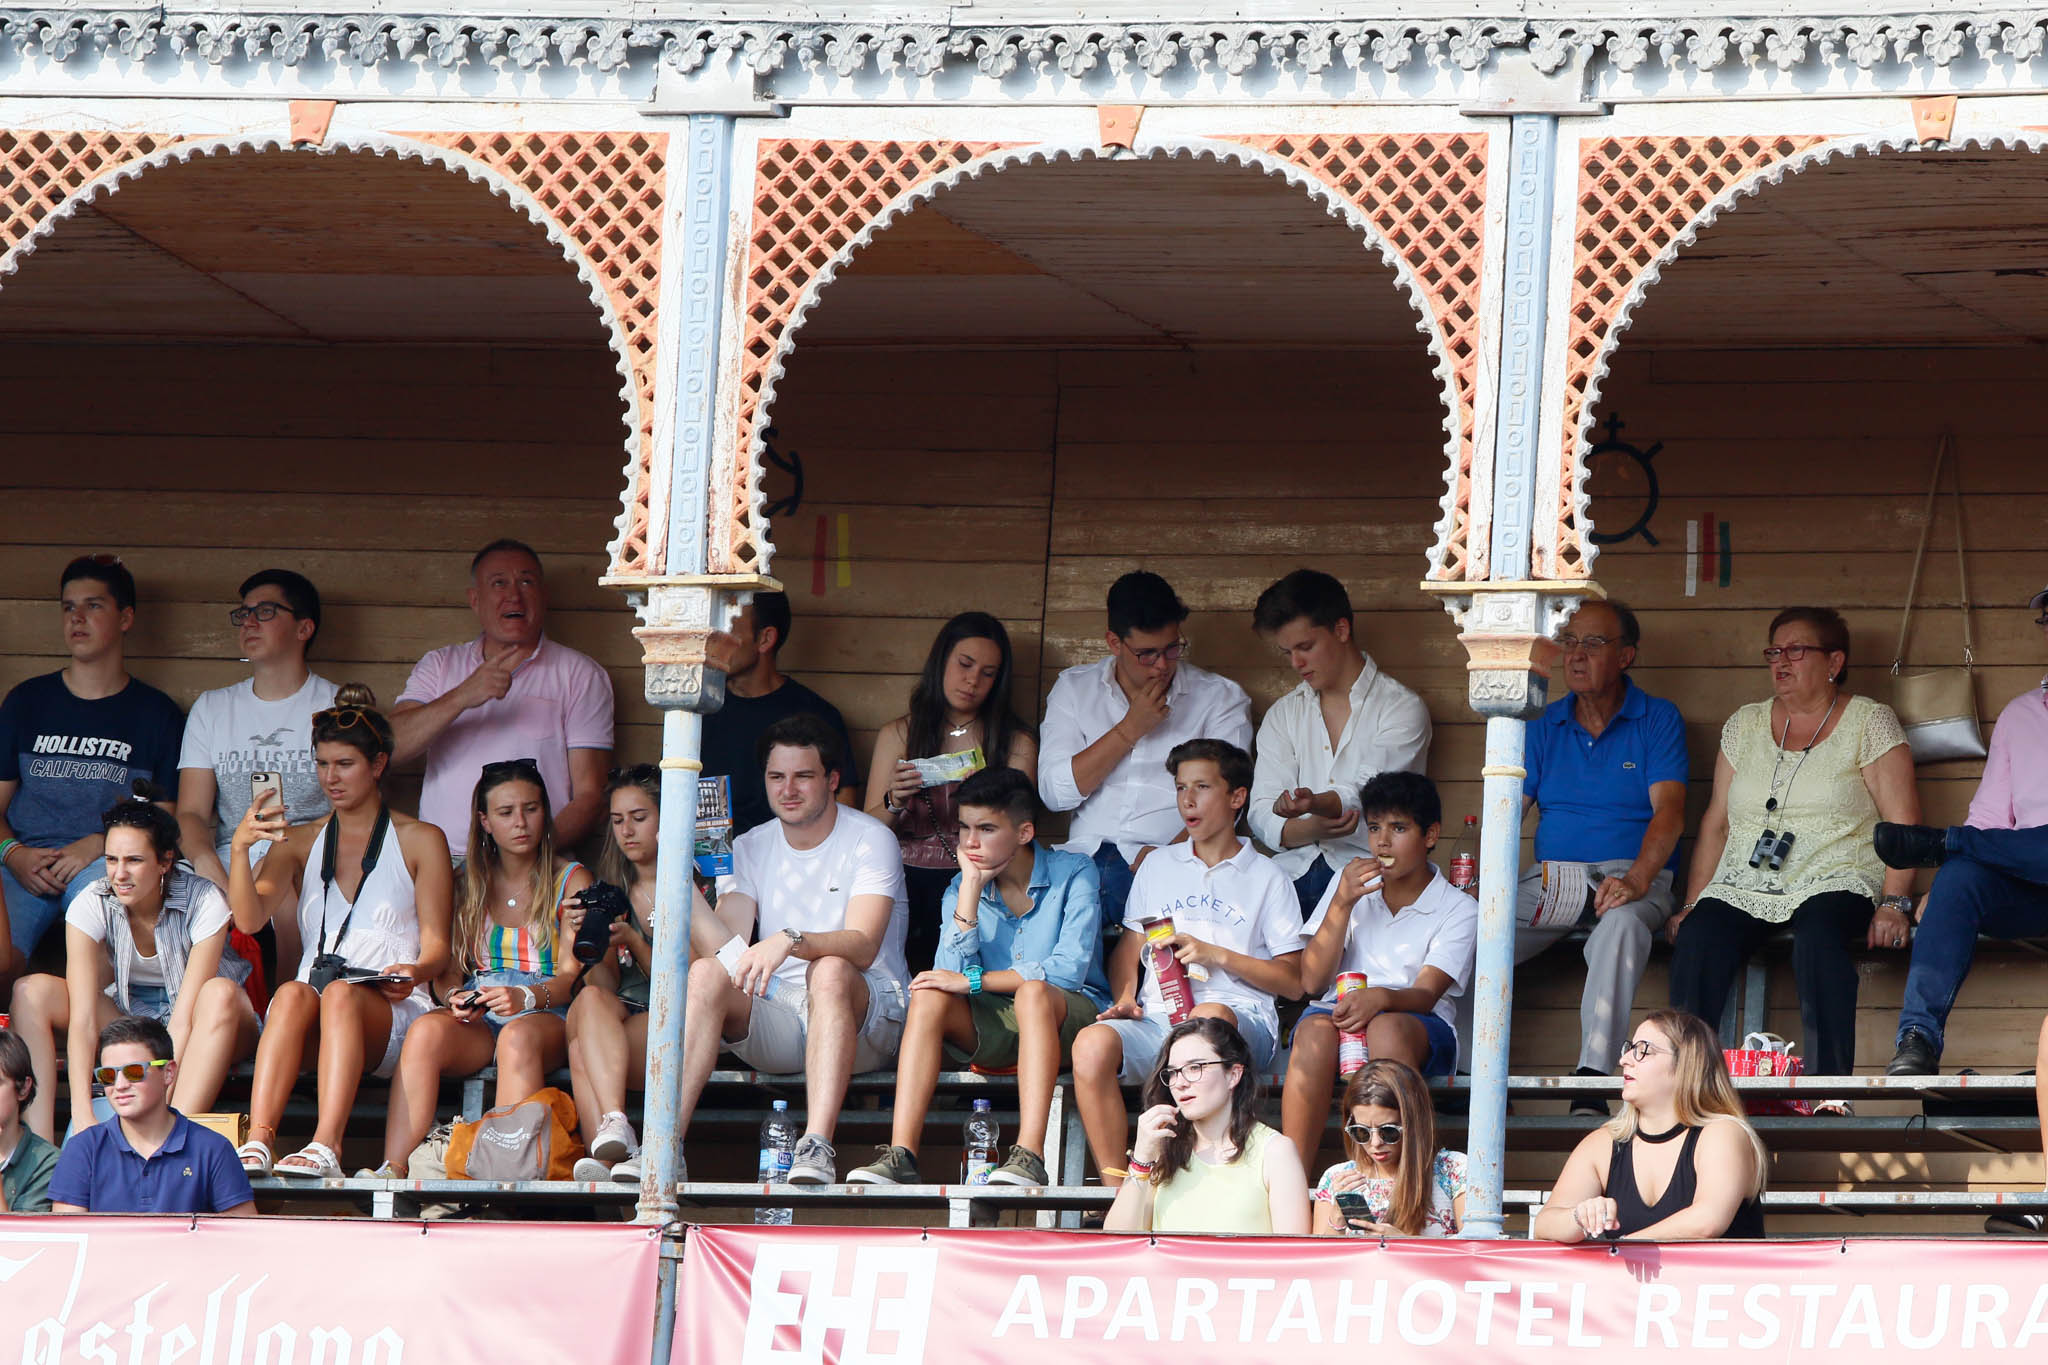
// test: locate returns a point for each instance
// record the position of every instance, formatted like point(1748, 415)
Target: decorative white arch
point(1186, 148)
point(1752, 184)
point(109, 181)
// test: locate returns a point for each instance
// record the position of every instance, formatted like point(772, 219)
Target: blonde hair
point(473, 908)
point(1704, 1094)
point(1388, 1084)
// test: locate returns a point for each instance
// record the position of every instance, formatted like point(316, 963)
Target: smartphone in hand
point(266, 791)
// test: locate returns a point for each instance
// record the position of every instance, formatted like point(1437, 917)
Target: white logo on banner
point(882, 1313)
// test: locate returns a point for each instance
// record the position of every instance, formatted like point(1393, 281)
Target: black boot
point(1910, 845)
point(1917, 1056)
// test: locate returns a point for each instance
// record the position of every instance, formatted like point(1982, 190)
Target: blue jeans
point(1115, 875)
point(29, 915)
point(1995, 882)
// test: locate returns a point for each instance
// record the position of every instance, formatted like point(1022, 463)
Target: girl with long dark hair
point(1409, 1187)
point(961, 703)
point(1202, 1161)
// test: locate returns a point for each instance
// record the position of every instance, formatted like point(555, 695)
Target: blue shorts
point(31, 914)
point(482, 979)
point(1443, 1039)
point(1142, 1039)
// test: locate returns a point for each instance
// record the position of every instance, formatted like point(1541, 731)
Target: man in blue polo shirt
point(1607, 767)
point(151, 1159)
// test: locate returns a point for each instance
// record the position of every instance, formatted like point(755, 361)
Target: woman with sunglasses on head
point(373, 889)
point(1679, 1161)
point(1202, 1161)
point(961, 704)
point(1399, 1183)
point(1799, 786)
point(505, 996)
point(150, 937)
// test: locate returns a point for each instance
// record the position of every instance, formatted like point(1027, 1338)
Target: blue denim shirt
point(1058, 941)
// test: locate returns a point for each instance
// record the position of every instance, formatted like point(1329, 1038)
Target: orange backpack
point(534, 1139)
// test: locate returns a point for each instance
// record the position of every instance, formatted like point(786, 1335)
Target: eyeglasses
point(1568, 643)
point(104, 560)
point(1192, 1072)
point(1792, 652)
point(262, 611)
point(1362, 1133)
point(343, 717)
point(638, 772)
point(1148, 657)
point(131, 1073)
point(1641, 1049)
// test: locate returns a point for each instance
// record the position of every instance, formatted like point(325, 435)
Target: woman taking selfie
point(373, 889)
point(508, 990)
point(150, 937)
point(1679, 1161)
point(961, 703)
point(1397, 1182)
point(1202, 1161)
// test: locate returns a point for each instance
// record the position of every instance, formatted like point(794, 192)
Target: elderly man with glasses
point(1607, 768)
point(1994, 872)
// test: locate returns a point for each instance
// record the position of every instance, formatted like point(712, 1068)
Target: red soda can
point(1168, 970)
point(1351, 1054)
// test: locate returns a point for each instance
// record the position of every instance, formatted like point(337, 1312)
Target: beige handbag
point(1938, 707)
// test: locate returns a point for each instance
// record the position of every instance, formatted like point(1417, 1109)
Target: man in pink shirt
point(1994, 872)
point(509, 693)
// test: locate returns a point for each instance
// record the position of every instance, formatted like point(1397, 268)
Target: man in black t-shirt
point(756, 696)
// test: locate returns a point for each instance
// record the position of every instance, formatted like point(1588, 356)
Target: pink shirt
point(560, 700)
point(2014, 792)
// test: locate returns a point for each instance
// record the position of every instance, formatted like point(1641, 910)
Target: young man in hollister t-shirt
point(72, 743)
point(1236, 929)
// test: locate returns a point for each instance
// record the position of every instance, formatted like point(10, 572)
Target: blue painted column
point(1507, 698)
point(679, 616)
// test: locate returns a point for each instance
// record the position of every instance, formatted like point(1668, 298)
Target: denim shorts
point(482, 979)
point(1443, 1039)
point(148, 1001)
point(1142, 1039)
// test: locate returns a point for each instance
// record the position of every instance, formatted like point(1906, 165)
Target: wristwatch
point(796, 939)
point(1902, 904)
point(973, 975)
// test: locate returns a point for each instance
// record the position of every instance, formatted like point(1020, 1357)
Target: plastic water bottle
point(1465, 856)
point(978, 1146)
point(778, 1148)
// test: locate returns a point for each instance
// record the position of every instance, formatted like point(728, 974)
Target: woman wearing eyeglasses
point(149, 938)
point(1679, 1161)
point(1202, 1161)
point(1397, 1182)
point(373, 889)
point(961, 704)
point(507, 993)
point(1801, 782)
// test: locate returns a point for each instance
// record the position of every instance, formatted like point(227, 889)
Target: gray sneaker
point(814, 1162)
point(1021, 1167)
point(891, 1166)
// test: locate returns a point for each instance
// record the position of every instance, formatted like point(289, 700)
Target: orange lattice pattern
point(39, 171)
point(1636, 195)
point(1426, 193)
point(604, 190)
point(811, 199)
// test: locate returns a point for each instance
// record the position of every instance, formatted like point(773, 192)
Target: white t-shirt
point(147, 971)
point(1440, 930)
point(210, 914)
point(807, 890)
point(234, 732)
point(1244, 903)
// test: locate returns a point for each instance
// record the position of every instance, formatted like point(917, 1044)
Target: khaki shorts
point(779, 1023)
point(995, 1029)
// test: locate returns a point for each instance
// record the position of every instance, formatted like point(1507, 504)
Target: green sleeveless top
point(1219, 1198)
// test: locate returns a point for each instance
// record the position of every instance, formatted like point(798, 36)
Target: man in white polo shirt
point(1236, 932)
point(1109, 726)
point(1345, 723)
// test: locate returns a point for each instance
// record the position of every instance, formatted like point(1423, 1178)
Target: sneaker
point(591, 1171)
point(614, 1140)
point(1840, 1109)
point(2016, 1224)
point(627, 1172)
point(1909, 845)
point(385, 1171)
point(1917, 1056)
point(1021, 1167)
point(1589, 1106)
point(891, 1166)
point(814, 1162)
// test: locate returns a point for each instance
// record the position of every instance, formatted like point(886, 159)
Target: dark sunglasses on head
point(638, 772)
point(512, 767)
point(343, 717)
point(131, 1073)
point(1361, 1133)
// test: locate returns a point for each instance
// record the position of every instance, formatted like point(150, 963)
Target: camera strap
point(328, 852)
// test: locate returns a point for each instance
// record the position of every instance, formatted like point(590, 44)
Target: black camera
point(328, 968)
point(602, 904)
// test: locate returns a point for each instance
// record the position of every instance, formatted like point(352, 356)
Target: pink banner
point(258, 1291)
point(885, 1297)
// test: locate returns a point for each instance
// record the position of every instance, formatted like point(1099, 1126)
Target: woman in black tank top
point(1681, 1133)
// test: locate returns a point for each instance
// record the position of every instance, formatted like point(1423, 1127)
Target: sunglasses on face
point(1362, 1133)
point(131, 1073)
point(1192, 1072)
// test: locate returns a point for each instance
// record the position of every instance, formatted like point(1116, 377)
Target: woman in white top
point(374, 891)
point(151, 938)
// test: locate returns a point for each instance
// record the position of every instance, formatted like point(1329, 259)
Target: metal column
point(1532, 165)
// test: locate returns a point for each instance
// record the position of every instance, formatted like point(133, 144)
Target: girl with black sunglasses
point(1396, 1182)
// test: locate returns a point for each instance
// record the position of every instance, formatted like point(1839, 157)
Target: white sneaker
point(590, 1171)
point(627, 1172)
point(614, 1140)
